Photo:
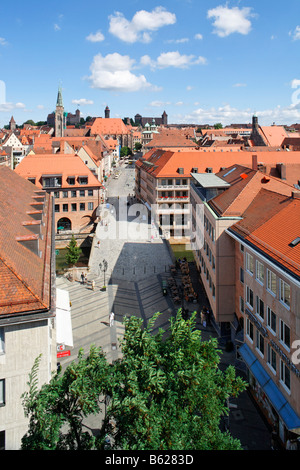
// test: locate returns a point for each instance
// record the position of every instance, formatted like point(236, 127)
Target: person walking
point(82, 278)
point(93, 284)
point(111, 319)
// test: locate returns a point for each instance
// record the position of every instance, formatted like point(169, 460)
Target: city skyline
point(201, 62)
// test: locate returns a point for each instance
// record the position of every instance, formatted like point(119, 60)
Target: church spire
point(59, 101)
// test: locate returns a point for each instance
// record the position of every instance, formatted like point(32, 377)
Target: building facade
point(28, 298)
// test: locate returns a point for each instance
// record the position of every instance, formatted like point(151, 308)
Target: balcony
point(182, 187)
point(173, 199)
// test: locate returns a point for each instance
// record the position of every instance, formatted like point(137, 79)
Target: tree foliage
point(166, 393)
point(73, 252)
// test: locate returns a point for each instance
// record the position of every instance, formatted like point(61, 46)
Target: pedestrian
point(203, 317)
point(111, 319)
point(82, 278)
point(93, 284)
point(85, 279)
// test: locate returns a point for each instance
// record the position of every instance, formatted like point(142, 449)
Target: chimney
point(282, 170)
point(296, 194)
point(254, 162)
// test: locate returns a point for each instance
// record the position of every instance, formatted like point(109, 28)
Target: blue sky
point(201, 61)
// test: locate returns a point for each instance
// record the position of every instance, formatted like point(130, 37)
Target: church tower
point(59, 116)
point(107, 112)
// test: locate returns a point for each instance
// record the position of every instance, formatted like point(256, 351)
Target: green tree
point(73, 252)
point(125, 151)
point(165, 393)
point(57, 411)
point(218, 125)
point(137, 146)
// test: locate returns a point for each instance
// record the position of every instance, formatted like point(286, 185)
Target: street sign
point(60, 347)
point(64, 354)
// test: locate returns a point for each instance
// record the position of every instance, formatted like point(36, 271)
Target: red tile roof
point(271, 223)
point(24, 275)
point(34, 166)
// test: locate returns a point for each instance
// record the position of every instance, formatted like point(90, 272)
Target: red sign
point(64, 353)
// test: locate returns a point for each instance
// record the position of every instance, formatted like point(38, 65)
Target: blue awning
point(279, 402)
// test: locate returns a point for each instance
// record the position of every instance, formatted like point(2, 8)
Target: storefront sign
point(64, 354)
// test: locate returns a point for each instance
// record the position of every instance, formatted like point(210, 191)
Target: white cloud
point(96, 37)
point(230, 20)
point(141, 25)
point(3, 42)
point(8, 107)
point(82, 102)
point(56, 27)
point(159, 104)
point(172, 59)
point(177, 41)
point(239, 85)
point(227, 115)
point(198, 36)
point(296, 33)
point(175, 59)
point(113, 73)
point(40, 106)
point(295, 83)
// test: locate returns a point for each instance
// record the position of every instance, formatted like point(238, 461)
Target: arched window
point(64, 224)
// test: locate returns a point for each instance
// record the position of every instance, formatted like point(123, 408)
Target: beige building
point(27, 298)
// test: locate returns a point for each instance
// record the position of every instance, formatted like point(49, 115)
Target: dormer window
point(71, 180)
point(83, 179)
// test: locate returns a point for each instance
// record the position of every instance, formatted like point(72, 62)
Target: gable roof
point(25, 274)
point(245, 184)
point(271, 223)
point(108, 126)
point(35, 166)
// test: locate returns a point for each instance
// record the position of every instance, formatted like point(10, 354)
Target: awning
point(278, 400)
point(64, 333)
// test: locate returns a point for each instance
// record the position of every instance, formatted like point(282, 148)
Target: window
point(271, 320)
point(74, 207)
point(249, 263)
point(249, 329)
point(213, 291)
point(65, 207)
point(271, 358)
point(241, 247)
point(260, 308)
point(56, 208)
point(56, 194)
point(285, 377)
point(82, 206)
point(2, 392)
point(83, 180)
point(284, 334)
point(2, 348)
point(65, 194)
point(271, 282)
point(249, 296)
point(260, 272)
point(82, 193)
point(52, 182)
point(90, 206)
point(260, 343)
point(32, 180)
point(284, 292)
point(73, 193)
point(90, 192)
point(71, 180)
point(242, 275)
point(242, 305)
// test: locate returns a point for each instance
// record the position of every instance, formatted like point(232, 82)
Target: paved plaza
point(135, 270)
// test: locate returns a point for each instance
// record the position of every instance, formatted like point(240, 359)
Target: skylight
point(295, 242)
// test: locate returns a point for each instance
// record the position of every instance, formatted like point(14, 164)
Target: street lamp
point(103, 267)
